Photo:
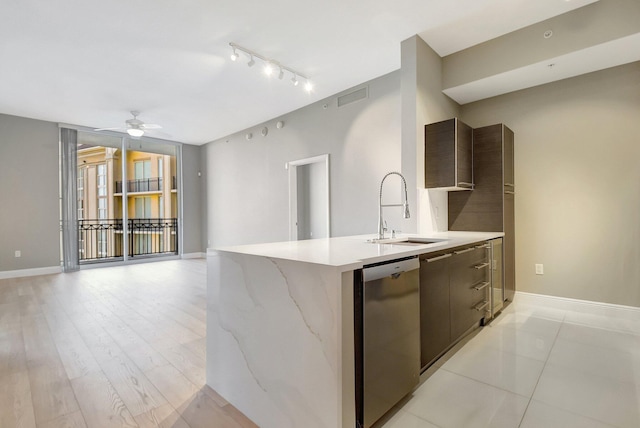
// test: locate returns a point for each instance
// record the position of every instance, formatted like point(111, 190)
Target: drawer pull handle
point(481, 286)
point(464, 251)
point(483, 246)
point(509, 192)
point(465, 184)
point(509, 185)
point(482, 266)
point(435, 259)
point(480, 306)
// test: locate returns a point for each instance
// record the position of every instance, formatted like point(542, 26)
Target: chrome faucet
point(405, 205)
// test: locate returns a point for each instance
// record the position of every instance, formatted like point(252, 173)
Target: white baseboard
point(576, 304)
point(194, 255)
point(19, 273)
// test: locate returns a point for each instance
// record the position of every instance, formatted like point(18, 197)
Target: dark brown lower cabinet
point(434, 306)
point(454, 297)
point(468, 288)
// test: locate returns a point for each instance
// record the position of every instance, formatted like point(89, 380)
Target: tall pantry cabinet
point(489, 207)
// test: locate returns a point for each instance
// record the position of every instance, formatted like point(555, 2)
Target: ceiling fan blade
point(150, 126)
point(107, 129)
point(160, 134)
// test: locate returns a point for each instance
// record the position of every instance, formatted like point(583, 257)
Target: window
point(80, 193)
point(102, 208)
point(142, 169)
point(102, 180)
point(102, 243)
point(161, 207)
point(143, 207)
point(160, 167)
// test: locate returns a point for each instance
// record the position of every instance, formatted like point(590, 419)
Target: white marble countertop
point(353, 252)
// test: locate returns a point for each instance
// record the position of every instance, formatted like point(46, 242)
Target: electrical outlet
point(539, 269)
point(18, 253)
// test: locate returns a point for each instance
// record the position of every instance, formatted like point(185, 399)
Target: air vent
point(354, 96)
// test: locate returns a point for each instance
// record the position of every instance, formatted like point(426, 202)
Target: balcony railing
point(102, 240)
point(146, 185)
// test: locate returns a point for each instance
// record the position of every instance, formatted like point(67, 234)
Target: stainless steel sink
point(406, 241)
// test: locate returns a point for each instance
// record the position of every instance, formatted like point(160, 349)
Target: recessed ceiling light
point(547, 34)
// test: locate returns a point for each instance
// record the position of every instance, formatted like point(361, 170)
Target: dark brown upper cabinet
point(448, 155)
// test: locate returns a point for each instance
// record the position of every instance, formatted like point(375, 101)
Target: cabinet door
point(509, 172)
point(440, 154)
point(464, 153)
point(509, 246)
point(464, 298)
point(435, 334)
point(497, 275)
point(448, 155)
point(481, 286)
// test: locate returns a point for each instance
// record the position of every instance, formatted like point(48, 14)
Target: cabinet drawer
point(469, 287)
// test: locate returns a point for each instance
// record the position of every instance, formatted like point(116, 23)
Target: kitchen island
point(280, 324)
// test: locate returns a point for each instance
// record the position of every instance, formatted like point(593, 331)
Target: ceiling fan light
point(135, 132)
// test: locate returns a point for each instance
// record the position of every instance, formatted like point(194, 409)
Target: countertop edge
point(319, 252)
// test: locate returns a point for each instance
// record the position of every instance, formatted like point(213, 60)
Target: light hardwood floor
point(119, 346)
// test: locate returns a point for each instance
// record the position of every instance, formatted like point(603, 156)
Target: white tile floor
point(543, 363)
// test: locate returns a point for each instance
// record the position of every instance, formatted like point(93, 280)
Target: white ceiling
point(89, 63)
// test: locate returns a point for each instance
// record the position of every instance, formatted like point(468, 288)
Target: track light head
point(281, 74)
point(251, 62)
point(308, 86)
point(268, 69)
point(294, 79)
point(234, 55)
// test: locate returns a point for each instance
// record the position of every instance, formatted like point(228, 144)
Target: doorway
point(309, 214)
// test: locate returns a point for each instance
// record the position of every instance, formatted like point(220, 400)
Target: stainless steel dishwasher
point(390, 335)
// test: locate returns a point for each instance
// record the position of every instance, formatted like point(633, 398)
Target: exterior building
point(151, 203)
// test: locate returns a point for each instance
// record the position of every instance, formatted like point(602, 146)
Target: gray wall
point(577, 152)
point(422, 102)
point(247, 183)
point(29, 207)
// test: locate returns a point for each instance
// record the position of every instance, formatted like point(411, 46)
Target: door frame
point(293, 192)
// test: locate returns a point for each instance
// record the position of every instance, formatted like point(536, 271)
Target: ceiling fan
point(135, 127)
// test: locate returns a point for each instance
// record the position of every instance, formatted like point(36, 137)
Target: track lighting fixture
point(270, 66)
point(234, 55)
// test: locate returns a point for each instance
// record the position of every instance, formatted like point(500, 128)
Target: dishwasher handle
point(392, 269)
